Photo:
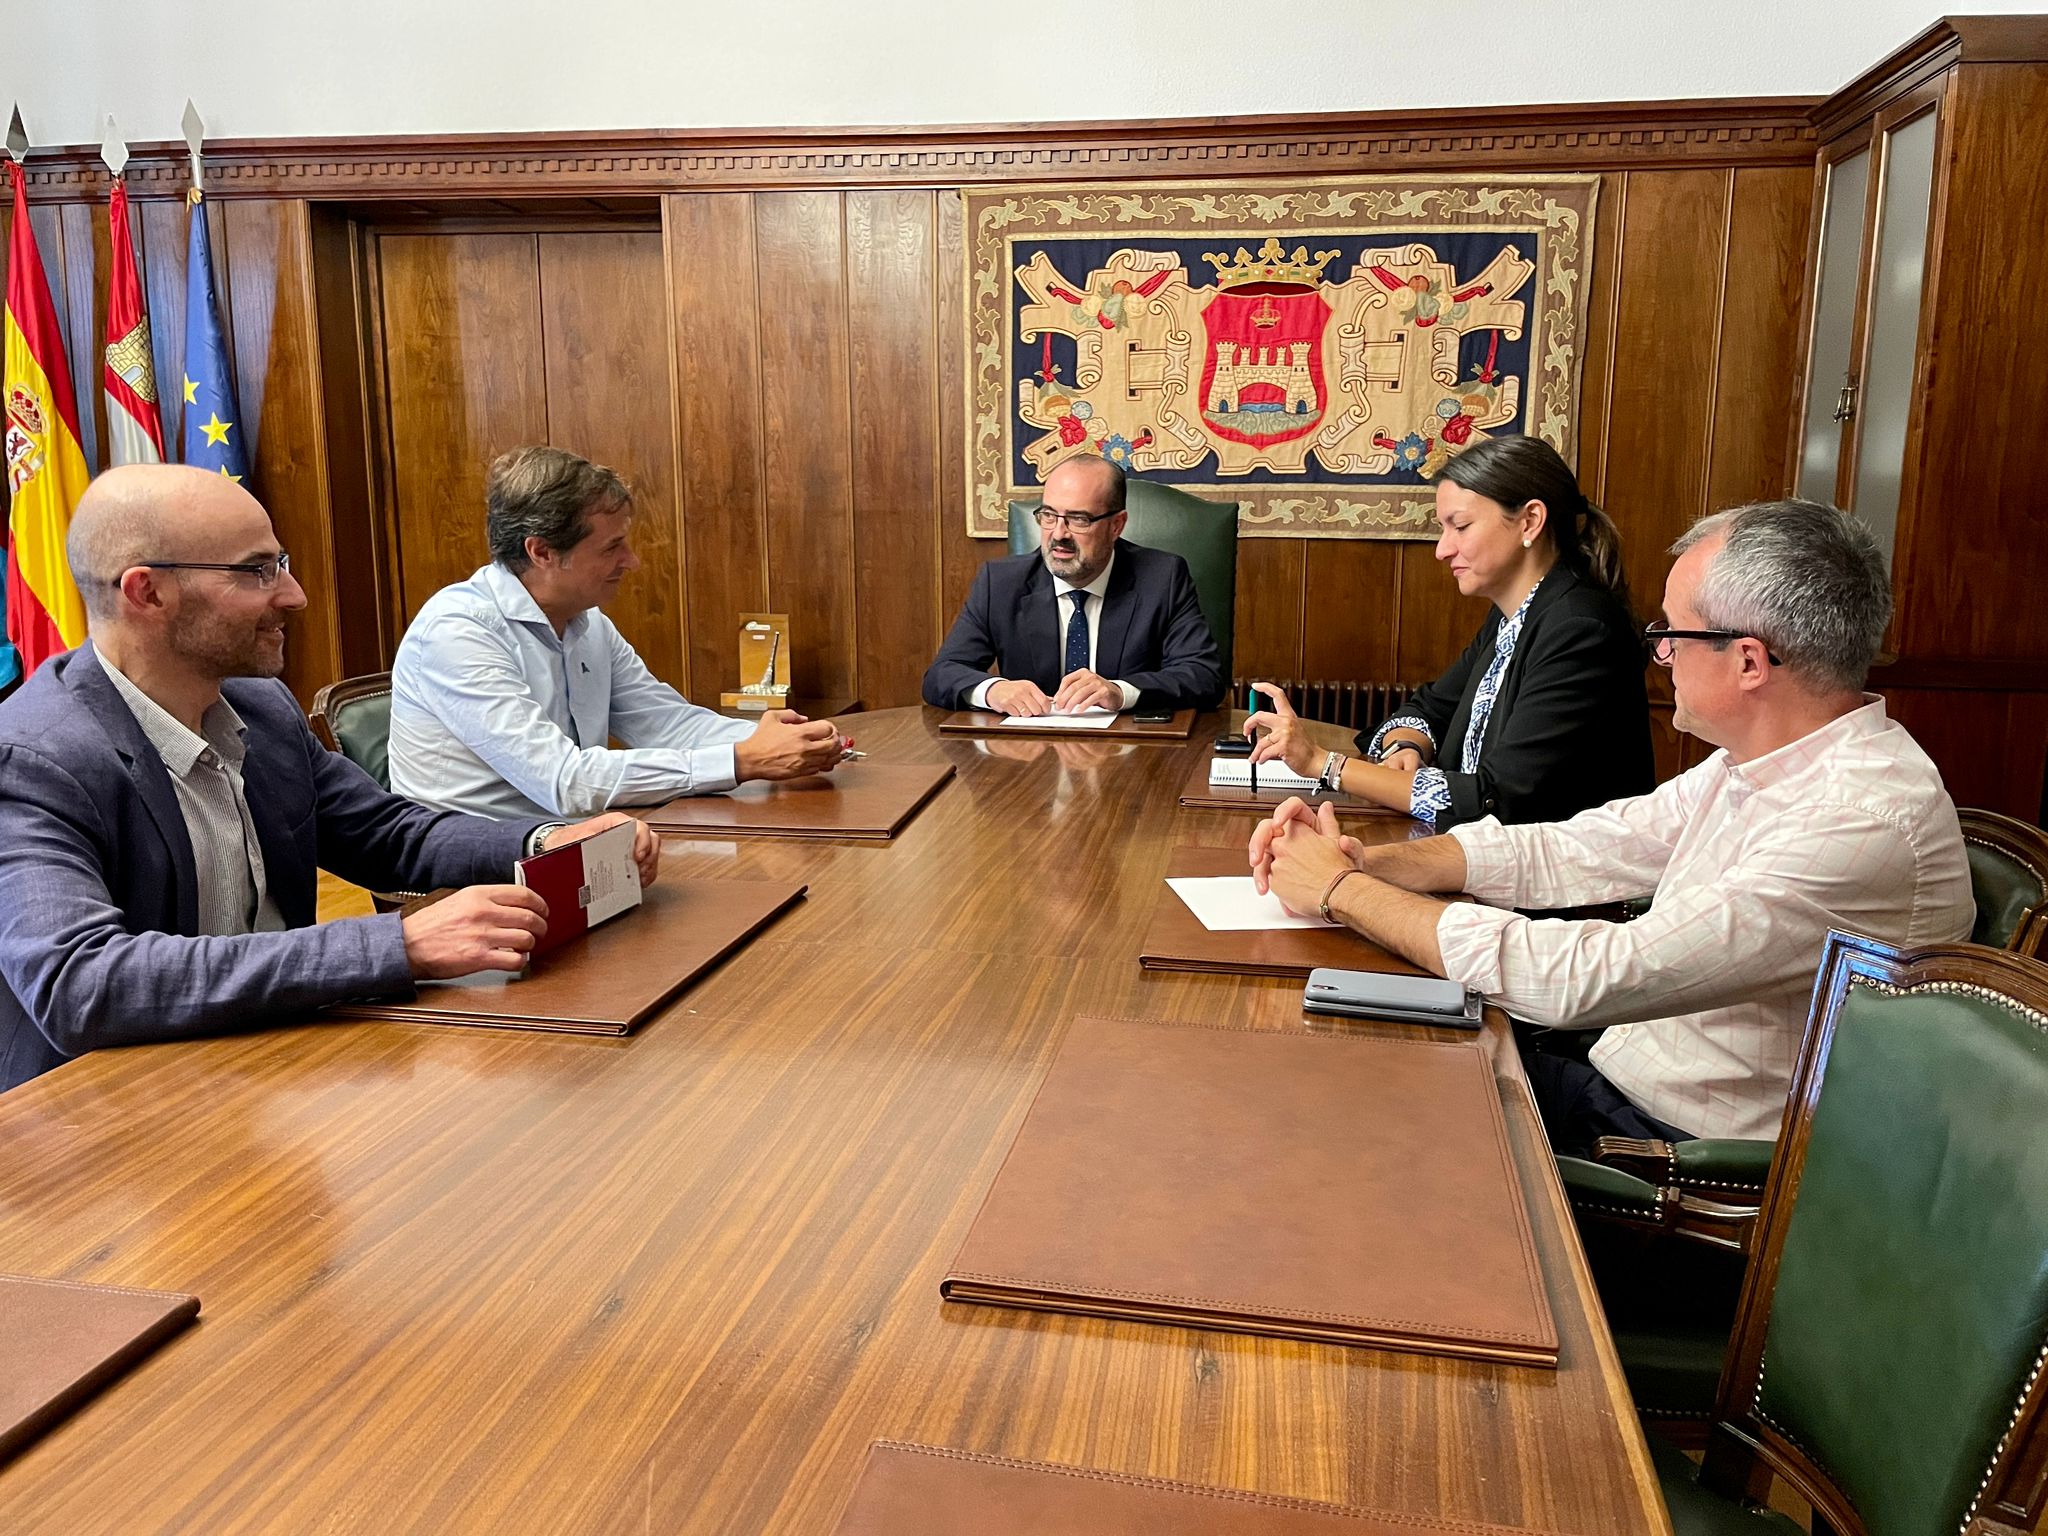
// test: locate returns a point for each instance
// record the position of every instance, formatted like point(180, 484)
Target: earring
point(1526, 543)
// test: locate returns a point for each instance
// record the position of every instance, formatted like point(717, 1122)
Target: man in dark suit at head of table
point(1087, 621)
point(164, 807)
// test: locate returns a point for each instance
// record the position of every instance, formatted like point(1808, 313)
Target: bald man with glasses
point(1087, 621)
point(164, 807)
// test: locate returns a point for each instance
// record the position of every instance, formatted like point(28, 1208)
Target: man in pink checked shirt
point(1818, 812)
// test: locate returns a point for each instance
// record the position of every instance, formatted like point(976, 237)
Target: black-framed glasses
point(1660, 635)
point(266, 571)
point(1047, 518)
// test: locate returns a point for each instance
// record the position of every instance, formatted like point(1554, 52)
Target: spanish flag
point(46, 471)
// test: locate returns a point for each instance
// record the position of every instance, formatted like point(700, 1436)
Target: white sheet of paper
point(1236, 773)
point(1230, 903)
point(1086, 720)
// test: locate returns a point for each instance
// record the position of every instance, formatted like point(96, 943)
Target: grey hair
point(1807, 580)
point(546, 494)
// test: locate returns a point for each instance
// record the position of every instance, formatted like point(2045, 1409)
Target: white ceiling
point(284, 68)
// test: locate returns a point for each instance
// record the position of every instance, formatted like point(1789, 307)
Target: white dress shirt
point(1062, 610)
point(495, 714)
point(1848, 827)
point(233, 886)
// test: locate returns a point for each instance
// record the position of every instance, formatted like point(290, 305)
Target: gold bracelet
point(1323, 907)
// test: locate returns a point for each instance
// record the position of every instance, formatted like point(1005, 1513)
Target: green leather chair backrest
point(1201, 532)
point(2005, 889)
point(1913, 1283)
point(362, 729)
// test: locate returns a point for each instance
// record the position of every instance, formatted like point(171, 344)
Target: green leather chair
point(1888, 1354)
point(353, 717)
point(1203, 533)
point(2009, 879)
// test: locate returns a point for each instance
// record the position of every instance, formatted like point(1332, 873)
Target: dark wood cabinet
point(1923, 391)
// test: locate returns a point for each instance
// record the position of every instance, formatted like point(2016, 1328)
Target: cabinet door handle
point(1845, 403)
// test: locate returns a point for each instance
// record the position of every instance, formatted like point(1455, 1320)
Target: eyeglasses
point(1047, 518)
point(1660, 635)
point(266, 571)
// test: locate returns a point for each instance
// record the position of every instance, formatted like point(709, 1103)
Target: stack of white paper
point(1083, 720)
point(1228, 903)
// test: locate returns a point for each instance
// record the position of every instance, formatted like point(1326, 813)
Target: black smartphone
point(1230, 744)
point(1152, 717)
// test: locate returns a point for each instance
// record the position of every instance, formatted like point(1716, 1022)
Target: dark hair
point(546, 494)
point(1515, 471)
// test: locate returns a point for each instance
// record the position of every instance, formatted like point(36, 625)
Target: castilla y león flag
point(135, 430)
point(46, 471)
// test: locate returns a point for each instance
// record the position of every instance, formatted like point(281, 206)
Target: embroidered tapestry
point(1315, 350)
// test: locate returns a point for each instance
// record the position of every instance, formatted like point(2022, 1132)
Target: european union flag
point(213, 422)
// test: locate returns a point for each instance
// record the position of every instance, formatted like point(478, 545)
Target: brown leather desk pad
point(1177, 941)
point(863, 800)
point(1198, 794)
point(1351, 1189)
point(923, 1490)
point(986, 722)
point(609, 981)
point(60, 1342)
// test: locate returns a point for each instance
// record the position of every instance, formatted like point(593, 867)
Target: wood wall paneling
point(603, 299)
point(1667, 324)
point(1270, 581)
point(892, 303)
point(715, 304)
point(1596, 356)
point(277, 379)
point(1437, 621)
point(1753, 389)
point(366, 631)
point(807, 435)
point(1350, 610)
point(464, 382)
point(1982, 449)
point(1992, 746)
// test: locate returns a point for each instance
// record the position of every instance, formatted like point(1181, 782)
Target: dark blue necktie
point(1077, 632)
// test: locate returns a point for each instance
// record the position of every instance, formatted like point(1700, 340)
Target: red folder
point(583, 883)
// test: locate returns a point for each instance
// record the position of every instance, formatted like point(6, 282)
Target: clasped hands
point(1079, 690)
point(1299, 851)
point(495, 927)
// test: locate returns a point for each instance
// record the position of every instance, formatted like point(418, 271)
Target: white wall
point(285, 68)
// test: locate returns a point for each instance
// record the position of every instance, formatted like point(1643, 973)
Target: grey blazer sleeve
point(87, 982)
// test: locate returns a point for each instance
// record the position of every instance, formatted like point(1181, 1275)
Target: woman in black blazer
point(1545, 714)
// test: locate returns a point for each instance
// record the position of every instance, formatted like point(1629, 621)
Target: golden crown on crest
point(1271, 265)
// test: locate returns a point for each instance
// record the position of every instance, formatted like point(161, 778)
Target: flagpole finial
point(17, 137)
point(195, 133)
point(114, 149)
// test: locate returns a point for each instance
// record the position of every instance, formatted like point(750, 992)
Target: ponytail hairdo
point(1514, 471)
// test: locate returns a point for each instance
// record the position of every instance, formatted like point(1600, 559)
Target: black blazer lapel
point(1119, 599)
point(95, 691)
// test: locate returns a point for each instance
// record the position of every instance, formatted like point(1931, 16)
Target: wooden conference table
point(472, 1280)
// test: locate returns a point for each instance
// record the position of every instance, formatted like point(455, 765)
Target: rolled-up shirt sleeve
point(473, 684)
point(1759, 924)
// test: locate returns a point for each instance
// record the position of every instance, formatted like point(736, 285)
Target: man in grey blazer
point(164, 806)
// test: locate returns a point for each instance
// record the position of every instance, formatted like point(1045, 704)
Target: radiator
point(1356, 706)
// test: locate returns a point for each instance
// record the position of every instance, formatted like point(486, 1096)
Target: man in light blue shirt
point(509, 687)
